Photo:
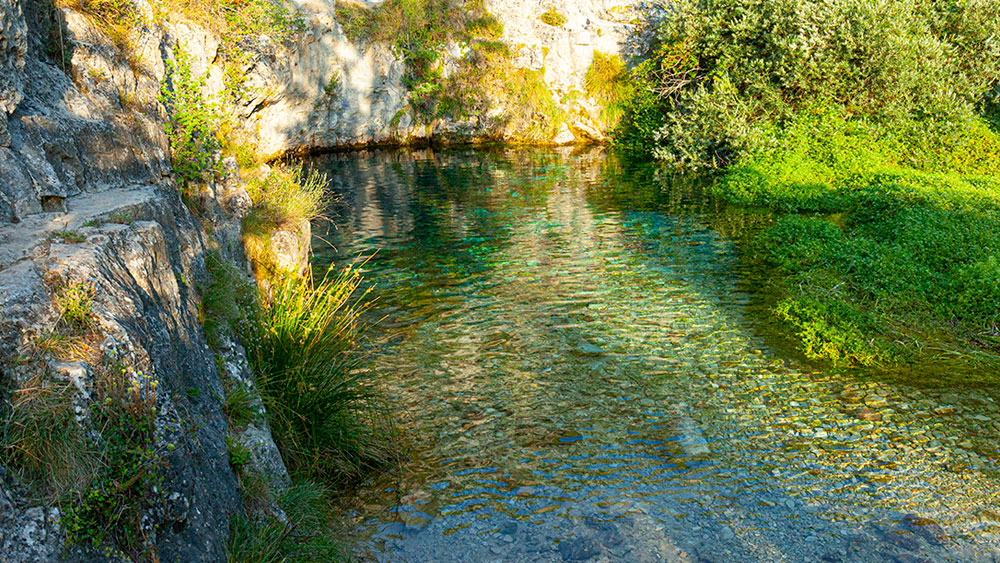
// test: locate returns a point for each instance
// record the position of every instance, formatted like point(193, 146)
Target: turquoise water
point(584, 368)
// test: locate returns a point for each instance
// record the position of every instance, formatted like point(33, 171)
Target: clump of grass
point(608, 81)
point(306, 537)
point(553, 17)
point(224, 298)
point(238, 454)
point(238, 405)
point(71, 237)
point(302, 345)
point(286, 195)
point(283, 197)
point(41, 439)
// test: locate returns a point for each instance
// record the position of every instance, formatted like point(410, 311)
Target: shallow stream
point(584, 368)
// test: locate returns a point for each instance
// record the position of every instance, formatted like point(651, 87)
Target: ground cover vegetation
point(485, 84)
point(871, 128)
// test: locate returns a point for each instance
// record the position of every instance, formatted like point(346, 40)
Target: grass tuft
point(302, 346)
point(41, 438)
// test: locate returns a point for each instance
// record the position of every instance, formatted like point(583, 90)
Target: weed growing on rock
point(553, 17)
point(283, 197)
point(193, 121)
point(71, 237)
point(119, 20)
point(41, 438)
point(75, 303)
point(128, 477)
point(608, 81)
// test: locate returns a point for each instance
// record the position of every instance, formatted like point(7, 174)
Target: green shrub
point(725, 67)
point(553, 17)
point(302, 345)
point(75, 304)
point(193, 120)
point(72, 237)
point(128, 478)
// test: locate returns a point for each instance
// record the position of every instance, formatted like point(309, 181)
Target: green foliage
point(306, 537)
point(285, 195)
point(485, 77)
point(75, 304)
point(238, 454)
point(238, 405)
point(553, 17)
point(245, 21)
point(302, 347)
point(725, 68)
point(917, 251)
point(129, 475)
point(193, 120)
point(608, 81)
point(69, 236)
point(225, 296)
point(333, 85)
point(826, 331)
point(419, 30)
point(413, 24)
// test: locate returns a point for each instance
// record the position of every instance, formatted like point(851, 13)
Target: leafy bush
point(724, 68)
point(827, 332)
point(128, 477)
point(302, 345)
point(193, 120)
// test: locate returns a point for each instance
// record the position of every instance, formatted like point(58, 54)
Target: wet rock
point(588, 349)
point(864, 413)
point(926, 528)
point(851, 395)
point(579, 549)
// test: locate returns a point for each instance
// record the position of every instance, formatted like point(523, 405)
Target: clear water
point(584, 369)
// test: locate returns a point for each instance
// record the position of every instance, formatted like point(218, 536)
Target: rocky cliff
point(88, 199)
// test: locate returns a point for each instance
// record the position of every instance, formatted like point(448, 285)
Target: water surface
point(583, 364)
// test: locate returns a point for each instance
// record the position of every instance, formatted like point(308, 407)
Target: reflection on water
point(579, 363)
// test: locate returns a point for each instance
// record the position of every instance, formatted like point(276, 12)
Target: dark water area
point(579, 354)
